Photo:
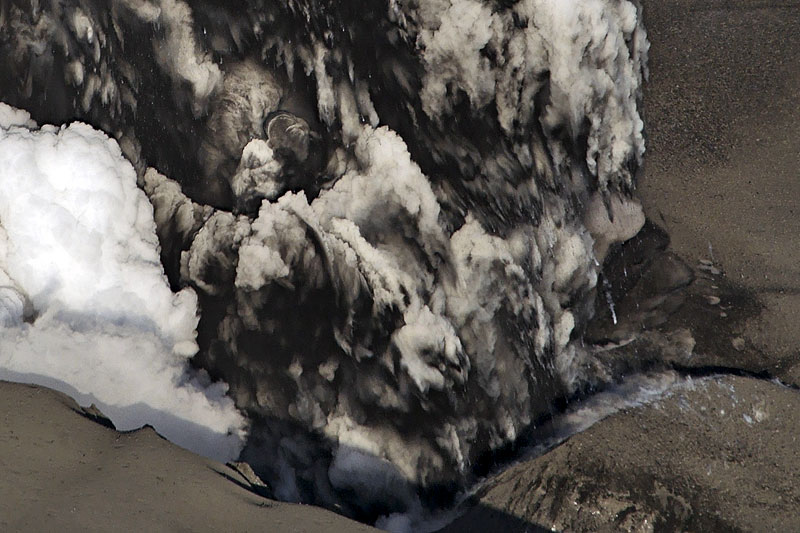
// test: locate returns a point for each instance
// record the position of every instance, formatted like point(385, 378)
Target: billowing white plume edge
point(84, 303)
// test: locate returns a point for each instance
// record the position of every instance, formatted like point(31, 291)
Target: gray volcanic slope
point(721, 168)
point(64, 472)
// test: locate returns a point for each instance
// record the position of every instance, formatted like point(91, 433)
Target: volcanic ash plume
point(393, 214)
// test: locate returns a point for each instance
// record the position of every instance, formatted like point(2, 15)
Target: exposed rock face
point(716, 455)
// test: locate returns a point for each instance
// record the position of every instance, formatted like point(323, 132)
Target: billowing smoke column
point(393, 213)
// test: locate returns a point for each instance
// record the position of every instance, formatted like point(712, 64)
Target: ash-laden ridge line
point(393, 215)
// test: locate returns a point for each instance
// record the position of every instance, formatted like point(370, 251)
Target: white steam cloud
point(84, 303)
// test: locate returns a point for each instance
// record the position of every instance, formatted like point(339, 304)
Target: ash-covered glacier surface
point(392, 217)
